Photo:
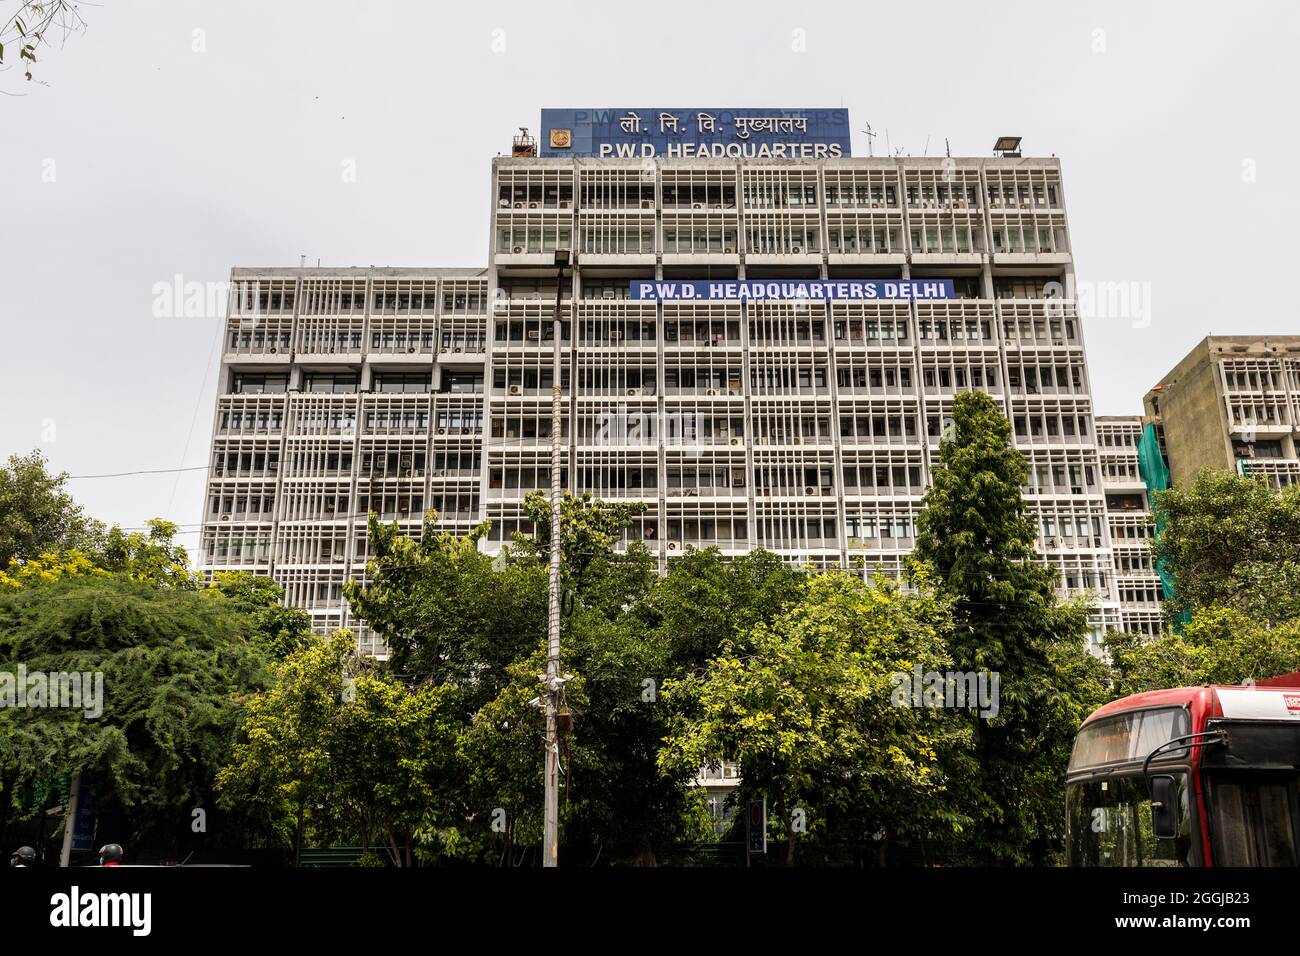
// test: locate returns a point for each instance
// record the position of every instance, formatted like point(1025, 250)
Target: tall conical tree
point(977, 536)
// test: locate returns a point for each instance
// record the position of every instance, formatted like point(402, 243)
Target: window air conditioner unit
point(810, 490)
point(729, 251)
point(442, 431)
point(504, 203)
point(616, 336)
point(516, 390)
point(517, 250)
point(634, 393)
point(647, 203)
point(534, 334)
point(566, 203)
point(796, 250)
point(712, 391)
point(672, 545)
point(735, 441)
point(607, 294)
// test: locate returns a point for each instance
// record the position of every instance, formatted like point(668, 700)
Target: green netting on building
point(1155, 475)
point(1151, 464)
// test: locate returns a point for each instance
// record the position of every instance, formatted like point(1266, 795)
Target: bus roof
point(1175, 697)
point(1204, 700)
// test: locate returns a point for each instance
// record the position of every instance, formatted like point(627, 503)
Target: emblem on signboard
point(561, 138)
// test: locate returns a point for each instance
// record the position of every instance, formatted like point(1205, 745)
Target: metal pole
point(551, 822)
point(70, 822)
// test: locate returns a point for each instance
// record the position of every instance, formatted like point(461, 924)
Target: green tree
point(976, 534)
point(175, 671)
point(618, 798)
point(37, 515)
point(449, 613)
point(48, 568)
point(616, 644)
point(279, 630)
point(706, 599)
point(344, 752)
point(153, 556)
point(591, 569)
point(502, 751)
point(810, 712)
point(1231, 541)
point(1219, 645)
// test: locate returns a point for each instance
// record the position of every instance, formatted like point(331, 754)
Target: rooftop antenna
point(925, 150)
point(889, 147)
point(870, 138)
point(947, 150)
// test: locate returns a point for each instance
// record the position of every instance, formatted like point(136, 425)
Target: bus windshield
point(1129, 737)
point(1109, 824)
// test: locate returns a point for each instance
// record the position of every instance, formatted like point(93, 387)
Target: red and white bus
point(1195, 776)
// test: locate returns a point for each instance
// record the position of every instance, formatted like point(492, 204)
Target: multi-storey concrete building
point(342, 391)
point(1128, 511)
point(809, 428)
point(1232, 403)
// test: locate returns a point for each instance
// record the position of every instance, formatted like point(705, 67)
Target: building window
point(402, 382)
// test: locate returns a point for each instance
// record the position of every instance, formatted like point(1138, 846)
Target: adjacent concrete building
point(808, 428)
point(1232, 403)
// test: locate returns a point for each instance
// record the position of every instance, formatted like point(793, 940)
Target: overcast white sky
point(166, 160)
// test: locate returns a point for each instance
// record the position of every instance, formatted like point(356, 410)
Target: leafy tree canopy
point(175, 668)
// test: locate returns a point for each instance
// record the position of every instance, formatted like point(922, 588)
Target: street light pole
point(551, 817)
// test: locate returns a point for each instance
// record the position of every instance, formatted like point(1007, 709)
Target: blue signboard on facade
point(717, 132)
point(790, 290)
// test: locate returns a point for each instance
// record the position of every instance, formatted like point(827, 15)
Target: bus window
point(1252, 821)
point(1109, 824)
point(1129, 737)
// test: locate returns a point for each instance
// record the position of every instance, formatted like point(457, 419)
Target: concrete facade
point(1232, 403)
point(1128, 513)
point(806, 428)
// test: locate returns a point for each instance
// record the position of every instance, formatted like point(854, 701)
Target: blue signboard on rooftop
point(696, 133)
